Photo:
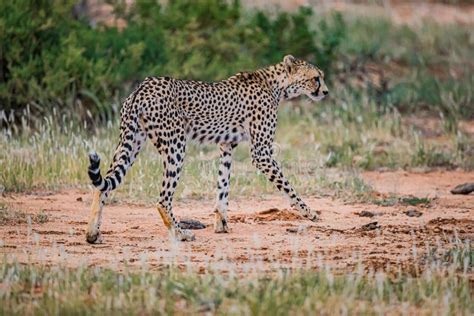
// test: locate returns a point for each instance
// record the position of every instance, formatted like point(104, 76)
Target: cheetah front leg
point(263, 160)
point(223, 184)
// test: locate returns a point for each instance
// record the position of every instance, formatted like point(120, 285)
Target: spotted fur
point(169, 111)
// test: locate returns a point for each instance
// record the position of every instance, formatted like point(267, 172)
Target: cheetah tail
point(94, 172)
point(124, 153)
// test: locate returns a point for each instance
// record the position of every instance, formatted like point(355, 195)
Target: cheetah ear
point(289, 62)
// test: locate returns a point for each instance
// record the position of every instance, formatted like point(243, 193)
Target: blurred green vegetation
point(51, 60)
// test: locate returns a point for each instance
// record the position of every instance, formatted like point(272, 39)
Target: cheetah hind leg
point(93, 235)
point(223, 183)
point(177, 232)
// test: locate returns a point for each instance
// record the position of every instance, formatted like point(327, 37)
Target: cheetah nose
point(326, 92)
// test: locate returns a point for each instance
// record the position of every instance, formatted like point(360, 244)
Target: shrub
point(50, 59)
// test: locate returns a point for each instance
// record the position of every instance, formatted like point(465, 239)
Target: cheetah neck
point(276, 78)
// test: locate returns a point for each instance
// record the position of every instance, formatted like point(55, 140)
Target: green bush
point(51, 60)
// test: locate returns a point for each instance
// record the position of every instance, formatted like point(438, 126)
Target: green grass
point(53, 154)
point(403, 200)
point(414, 201)
point(441, 288)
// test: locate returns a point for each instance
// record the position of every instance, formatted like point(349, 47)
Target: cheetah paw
point(92, 238)
point(309, 214)
point(220, 224)
point(312, 215)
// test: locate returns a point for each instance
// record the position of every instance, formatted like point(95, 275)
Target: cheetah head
point(303, 78)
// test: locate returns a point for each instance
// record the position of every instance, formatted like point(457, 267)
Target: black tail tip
point(94, 158)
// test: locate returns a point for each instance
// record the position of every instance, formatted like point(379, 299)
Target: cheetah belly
point(216, 133)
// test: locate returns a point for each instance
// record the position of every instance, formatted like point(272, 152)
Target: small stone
point(79, 199)
point(191, 224)
point(366, 214)
point(370, 226)
point(413, 213)
point(298, 229)
point(464, 188)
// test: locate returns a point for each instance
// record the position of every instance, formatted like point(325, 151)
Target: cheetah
point(169, 112)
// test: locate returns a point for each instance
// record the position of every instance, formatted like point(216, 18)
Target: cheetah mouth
point(315, 96)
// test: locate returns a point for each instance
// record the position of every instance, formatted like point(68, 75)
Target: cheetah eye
point(317, 80)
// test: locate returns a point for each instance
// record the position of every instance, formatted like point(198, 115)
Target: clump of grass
point(386, 201)
point(462, 257)
point(404, 200)
point(455, 255)
point(414, 201)
point(431, 156)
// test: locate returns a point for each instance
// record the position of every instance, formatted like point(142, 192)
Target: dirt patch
point(264, 234)
point(452, 225)
point(269, 215)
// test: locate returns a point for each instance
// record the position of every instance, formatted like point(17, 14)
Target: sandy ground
point(264, 233)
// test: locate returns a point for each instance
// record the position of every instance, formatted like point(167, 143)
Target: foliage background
point(49, 59)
